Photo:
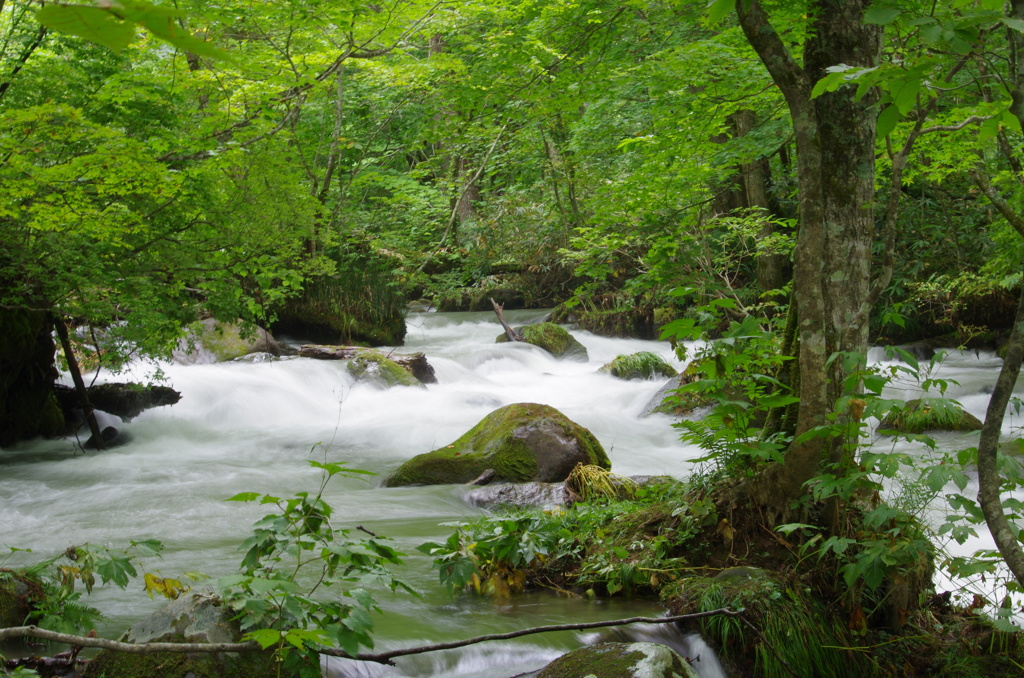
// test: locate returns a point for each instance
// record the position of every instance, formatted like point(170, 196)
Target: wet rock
point(642, 365)
point(414, 363)
point(373, 368)
point(125, 400)
point(620, 660)
point(930, 414)
point(521, 443)
point(193, 618)
point(553, 338)
point(212, 341)
point(519, 495)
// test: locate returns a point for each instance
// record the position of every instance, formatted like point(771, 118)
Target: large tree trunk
point(835, 174)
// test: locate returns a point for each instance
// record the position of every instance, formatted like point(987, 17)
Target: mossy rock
point(521, 443)
point(553, 338)
point(373, 368)
point(211, 341)
point(930, 414)
point(19, 594)
point(192, 618)
point(667, 401)
point(620, 660)
point(642, 365)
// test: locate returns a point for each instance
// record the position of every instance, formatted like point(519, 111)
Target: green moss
point(553, 338)
point(642, 365)
point(373, 367)
point(183, 665)
point(619, 660)
point(514, 441)
point(930, 414)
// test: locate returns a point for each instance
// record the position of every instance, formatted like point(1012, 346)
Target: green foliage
point(291, 555)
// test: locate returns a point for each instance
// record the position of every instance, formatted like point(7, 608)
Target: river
point(244, 427)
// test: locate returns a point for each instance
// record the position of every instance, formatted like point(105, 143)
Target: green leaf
point(92, 23)
point(245, 496)
point(887, 120)
point(881, 15)
point(1015, 24)
point(718, 9)
point(265, 637)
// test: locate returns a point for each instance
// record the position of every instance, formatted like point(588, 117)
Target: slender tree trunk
point(835, 173)
point(76, 376)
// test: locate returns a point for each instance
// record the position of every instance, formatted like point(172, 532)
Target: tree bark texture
point(835, 137)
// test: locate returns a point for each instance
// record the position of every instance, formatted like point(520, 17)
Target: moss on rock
point(930, 414)
point(521, 443)
point(372, 367)
point(620, 660)
point(553, 338)
point(641, 365)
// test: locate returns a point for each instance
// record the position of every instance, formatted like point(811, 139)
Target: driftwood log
point(509, 332)
point(416, 363)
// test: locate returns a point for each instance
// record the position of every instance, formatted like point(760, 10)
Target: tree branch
point(380, 658)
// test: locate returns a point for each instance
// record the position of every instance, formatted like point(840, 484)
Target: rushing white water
point(252, 427)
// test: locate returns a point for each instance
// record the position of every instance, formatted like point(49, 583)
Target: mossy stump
point(930, 414)
point(553, 338)
point(521, 443)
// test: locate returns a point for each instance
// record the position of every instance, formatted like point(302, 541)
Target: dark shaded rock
point(193, 618)
point(125, 400)
point(112, 437)
point(552, 338)
point(19, 595)
point(415, 363)
point(506, 297)
point(620, 660)
point(642, 365)
point(930, 414)
point(521, 443)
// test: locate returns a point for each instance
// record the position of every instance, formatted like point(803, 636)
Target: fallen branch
point(380, 658)
point(509, 332)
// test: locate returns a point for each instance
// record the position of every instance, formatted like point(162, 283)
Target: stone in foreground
point(620, 660)
point(521, 443)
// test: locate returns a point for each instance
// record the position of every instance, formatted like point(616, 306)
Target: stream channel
point(251, 427)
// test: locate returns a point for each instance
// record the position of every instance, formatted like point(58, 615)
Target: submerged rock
point(553, 338)
point(521, 443)
point(373, 368)
point(519, 495)
point(642, 365)
point(620, 660)
point(193, 618)
point(414, 363)
point(930, 414)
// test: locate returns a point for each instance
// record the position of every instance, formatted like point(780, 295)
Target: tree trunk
point(835, 173)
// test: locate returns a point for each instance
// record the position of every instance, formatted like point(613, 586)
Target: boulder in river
point(522, 443)
point(553, 338)
point(930, 414)
point(620, 660)
point(373, 368)
point(211, 341)
point(123, 399)
point(414, 363)
point(641, 365)
point(192, 618)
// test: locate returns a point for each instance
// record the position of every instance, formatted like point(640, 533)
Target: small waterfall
point(689, 645)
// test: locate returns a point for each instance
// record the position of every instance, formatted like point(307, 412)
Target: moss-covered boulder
point(373, 368)
point(620, 660)
point(930, 414)
point(642, 365)
point(211, 341)
point(19, 595)
point(668, 401)
point(521, 443)
point(552, 338)
point(124, 399)
point(193, 618)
